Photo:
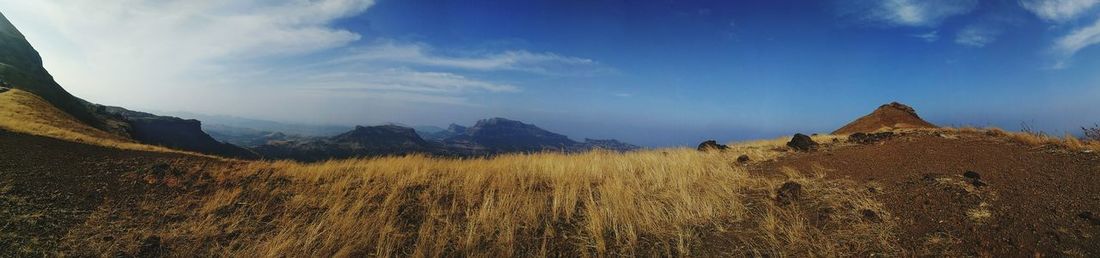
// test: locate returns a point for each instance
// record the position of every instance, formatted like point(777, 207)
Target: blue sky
point(656, 73)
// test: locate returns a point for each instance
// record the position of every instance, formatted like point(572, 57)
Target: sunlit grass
point(677, 202)
point(23, 112)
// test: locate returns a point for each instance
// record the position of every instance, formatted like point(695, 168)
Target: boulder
point(711, 145)
point(743, 158)
point(801, 142)
point(788, 193)
point(975, 178)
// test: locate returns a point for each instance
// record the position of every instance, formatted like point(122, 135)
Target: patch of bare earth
point(50, 188)
point(1023, 199)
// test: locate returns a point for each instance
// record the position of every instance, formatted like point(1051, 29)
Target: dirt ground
point(49, 186)
point(1026, 201)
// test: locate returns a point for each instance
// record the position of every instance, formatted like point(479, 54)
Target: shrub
point(1092, 133)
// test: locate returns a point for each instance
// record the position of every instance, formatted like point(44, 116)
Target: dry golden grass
point(669, 202)
point(23, 112)
point(1067, 141)
point(768, 149)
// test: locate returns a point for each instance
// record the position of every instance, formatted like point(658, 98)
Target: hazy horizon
point(666, 73)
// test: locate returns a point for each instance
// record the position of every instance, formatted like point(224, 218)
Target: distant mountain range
point(21, 68)
point(486, 137)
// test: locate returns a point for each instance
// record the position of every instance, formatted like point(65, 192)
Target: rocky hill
point(886, 117)
point(503, 135)
point(176, 133)
point(21, 68)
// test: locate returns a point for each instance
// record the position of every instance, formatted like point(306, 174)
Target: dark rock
point(870, 215)
point(975, 178)
point(788, 193)
point(869, 138)
point(1089, 216)
point(711, 145)
point(978, 183)
point(743, 158)
point(801, 142)
point(150, 247)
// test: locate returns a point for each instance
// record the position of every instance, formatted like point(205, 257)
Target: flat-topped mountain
point(383, 138)
point(886, 117)
point(176, 133)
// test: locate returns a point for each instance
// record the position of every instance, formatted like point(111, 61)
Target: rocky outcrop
point(711, 145)
point(869, 138)
point(887, 117)
point(176, 133)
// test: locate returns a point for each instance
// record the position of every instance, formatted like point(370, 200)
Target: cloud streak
point(977, 35)
point(1067, 46)
point(1058, 10)
point(911, 13)
point(512, 60)
point(931, 36)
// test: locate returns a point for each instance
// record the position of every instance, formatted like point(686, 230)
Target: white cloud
point(403, 79)
point(249, 54)
point(1058, 10)
point(1067, 46)
point(111, 51)
point(515, 60)
point(931, 36)
point(977, 35)
point(914, 13)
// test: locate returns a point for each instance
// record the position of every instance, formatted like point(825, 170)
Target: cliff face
point(176, 133)
point(21, 68)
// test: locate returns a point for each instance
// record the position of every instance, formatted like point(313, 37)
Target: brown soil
point(50, 186)
point(64, 198)
point(1031, 200)
point(890, 116)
